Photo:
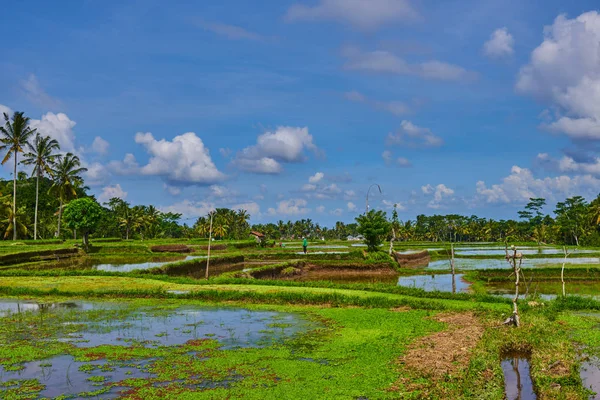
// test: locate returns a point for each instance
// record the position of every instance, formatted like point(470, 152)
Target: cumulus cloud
point(100, 146)
point(440, 193)
point(500, 44)
point(351, 206)
point(183, 161)
point(190, 209)
point(320, 209)
point(388, 158)
point(363, 14)
point(285, 145)
point(172, 190)
point(568, 164)
point(316, 177)
point(390, 205)
point(564, 71)
point(96, 174)
point(411, 135)
point(385, 62)
point(290, 207)
point(521, 185)
point(251, 207)
point(108, 192)
point(58, 126)
point(37, 95)
point(397, 108)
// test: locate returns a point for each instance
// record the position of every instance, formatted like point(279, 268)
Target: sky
point(292, 109)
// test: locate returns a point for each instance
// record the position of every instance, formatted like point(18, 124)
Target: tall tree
point(66, 172)
point(41, 155)
point(571, 216)
point(15, 137)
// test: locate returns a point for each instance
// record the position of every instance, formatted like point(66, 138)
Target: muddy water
point(517, 378)
point(590, 375)
point(500, 251)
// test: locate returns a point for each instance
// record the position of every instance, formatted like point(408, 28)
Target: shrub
point(374, 227)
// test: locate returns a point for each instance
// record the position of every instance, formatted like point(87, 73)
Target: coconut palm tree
point(15, 137)
point(66, 172)
point(41, 155)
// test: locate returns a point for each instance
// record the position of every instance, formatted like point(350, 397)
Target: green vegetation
point(375, 228)
point(83, 215)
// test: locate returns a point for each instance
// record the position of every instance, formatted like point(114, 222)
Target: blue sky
point(291, 109)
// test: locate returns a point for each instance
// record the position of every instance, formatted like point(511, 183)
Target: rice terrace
point(300, 199)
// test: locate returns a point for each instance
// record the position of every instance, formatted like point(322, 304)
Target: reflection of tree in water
point(515, 365)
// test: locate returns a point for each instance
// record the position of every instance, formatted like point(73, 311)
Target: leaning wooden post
point(209, 242)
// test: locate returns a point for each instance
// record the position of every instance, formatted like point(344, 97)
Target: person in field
point(305, 244)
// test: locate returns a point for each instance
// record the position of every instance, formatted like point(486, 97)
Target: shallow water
point(500, 263)
point(500, 251)
point(590, 375)
point(322, 252)
point(136, 266)
point(61, 375)
point(546, 290)
point(517, 378)
point(151, 327)
point(231, 327)
point(430, 283)
point(15, 306)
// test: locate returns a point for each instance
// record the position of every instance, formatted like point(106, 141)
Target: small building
point(258, 236)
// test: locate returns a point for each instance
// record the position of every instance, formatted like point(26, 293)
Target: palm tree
point(66, 170)
point(15, 136)
point(41, 155)
point(6, 218)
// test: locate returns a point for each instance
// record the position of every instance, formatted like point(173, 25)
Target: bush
point(374, 227)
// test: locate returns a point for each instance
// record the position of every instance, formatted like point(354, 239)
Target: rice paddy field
point(139, 320)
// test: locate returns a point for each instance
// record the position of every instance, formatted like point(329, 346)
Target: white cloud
point(251, 207)
point(36, 94)
point(397, 108)
point(337, 212)
point(351, 206)
point(570, 165)
point(500, 44)
point(108, 192)
point(363, 14)
point(388, 158)
point(410, 135)
point(232, 32)
point(390, 205)
point(225, 152)
point(59, 127)
point(285, 145)
point(290, 207)
point(384, 62)
point(564, 70)
point(349, 194)
point(96, 174)
point(320, 209)
point(190, 209)
point(183, 160)
point(222, 192)
point(100, 146)
point(440, 193)
point(316, 177)
point(4, 109)
point(173, 190)
point(309, 187)
point(521, 185)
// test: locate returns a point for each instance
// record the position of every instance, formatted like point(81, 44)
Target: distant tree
point(374, 227)
point(42, 153)
point(66, 172)
point(572, 217)
point(83, 215)
point(15, 137)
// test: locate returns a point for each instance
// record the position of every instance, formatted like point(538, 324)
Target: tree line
point(33, 207)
